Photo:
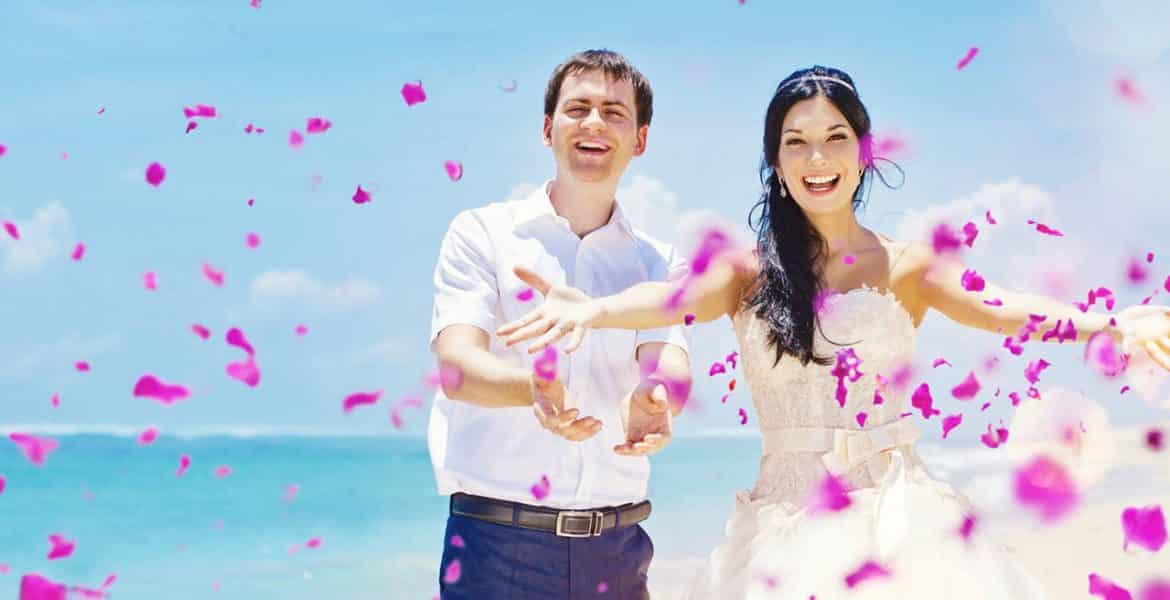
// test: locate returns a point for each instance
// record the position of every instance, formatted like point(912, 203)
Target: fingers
point(518, 323)
point(648, 445)
point(580, 430)
point(652, 400)
point(1158, 355)
point(552, 335)
point(575, 339)
point(529, 331)
point(532, 279)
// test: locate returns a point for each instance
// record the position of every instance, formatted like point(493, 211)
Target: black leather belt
point(564, 523)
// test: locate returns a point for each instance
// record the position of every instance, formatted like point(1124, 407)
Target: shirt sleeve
point(667, 267)
point(466, 291)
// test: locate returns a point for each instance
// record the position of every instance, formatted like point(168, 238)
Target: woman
point(821, 309)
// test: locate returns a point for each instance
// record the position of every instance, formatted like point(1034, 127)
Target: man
point(548, 474)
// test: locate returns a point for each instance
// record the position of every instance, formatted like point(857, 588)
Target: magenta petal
point(155, 174)
point(1103, 355)
point(541, 488)
point(923, 401)
point(1046, 230)
point(944, 240)
point(295, 139)
point(200, 110)
point(60, 547)
point(313, 543)
point(213, 275)
point(861, 417)
point(247, 372)
point(454, 169)
point(200, 330)
point(993, 302)
point(78, 251)
point(35, 449)
point(1166, 284)
point(222, 471)
point(938, 362)
point(149, 386)
point(301, 330)
point(1136, 271)
point(950, 422)
point(235, 337)
point(150, 280)
point(191, 125)
point(1154, 440)
point(869, 570)
point(968, 527)
point(13, 232)
point(413, 93)
point(970, 232)
point(360, 399)
point(2, 483)
point(743, 416)
point(252, 240)
point(972, 281)
point(967, 58)
point(830, 495)
point(3, 149)
point(732, 358)
point(545, 365)
point(148, 436)
point(1044, 486)
point(716, 369)
point(453, 572)
point(525, 295)
point(184, 464)
point(82, 366)
point(1157, 589)
point(1033, 370)
point(688, 319)
point(714, 243)
point(361, 196)
point(968, 388)
point(1144, 527)
point(1099, 586)
point(318, 125)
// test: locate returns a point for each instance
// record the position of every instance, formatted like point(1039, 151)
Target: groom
point(548, 475)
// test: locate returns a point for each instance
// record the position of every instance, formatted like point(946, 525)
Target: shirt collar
point(538, 205)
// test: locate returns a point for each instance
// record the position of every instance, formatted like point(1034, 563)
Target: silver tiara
point(821, 78)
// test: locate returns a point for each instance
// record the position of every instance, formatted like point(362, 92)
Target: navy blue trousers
point(510, 563)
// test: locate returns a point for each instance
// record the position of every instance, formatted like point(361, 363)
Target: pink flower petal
point(713, 244)
point(732, 358)
point(1136, 271)
point(191, 125)
point(950, 422)
point(972, 281)
point(967, 389)
point(360, 399)
point(148, 436)
point(869, 570)
point(1128, 91)
point(252, 240)
point(846, 368)
point(1166, 284)
point(938, 362)
point(313, 543)
point(78, 251)
point(255, 4)
point(251, 201)
point(453, 572)
point(1065, 331)
point(968, 527)
point(247, 372)
point(967, 58)
point(1144, 527)
point(861, 417)
point(525, 294)
point(454, 169)
point(13, 232)
point(35, 449)
point(3, 149)
point(688, 319)
point(290, 493)
point(1046, 230)
point(602, 587)
point(317, 125)
point(302, 330)
point(235, 337)
point(1154, 439)
point(222, 471)
point(716, 369)
point(184, 464)
point(60, 547)
point(1044, 486)
point(923, 401)
point(743, 417)
point(993, 302)
point(985, 406)
point(944, 240)
point(541, 488)
point(55, 400)
point(81, 366)
point(213, 275)
point(200, 111)
point(1103, 355)
point(150, 280)
point(155, 174)
point(1157, 589)
point(1033, 370)
point(361, 196)
point(295, 139)
point(848, 259)
point(457, 541)
point(200, 330)
point(449, 377)
point(149, 386)
point(545, 365)
point(3, 482)
point(829, 495)
point(1099, 586)
point(413, 93)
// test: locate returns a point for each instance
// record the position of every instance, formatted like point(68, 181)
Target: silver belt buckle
point(596, 518)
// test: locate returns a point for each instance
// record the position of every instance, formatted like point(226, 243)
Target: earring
point(783, 192)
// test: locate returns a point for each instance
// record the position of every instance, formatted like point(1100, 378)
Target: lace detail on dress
point(881, 333)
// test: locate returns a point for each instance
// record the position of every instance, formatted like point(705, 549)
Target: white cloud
point(41, 239)
point(272, 288)
point(1009, 202)
point(388, 351)
point(653, 208)
point(21, 363)
point(1131, 30)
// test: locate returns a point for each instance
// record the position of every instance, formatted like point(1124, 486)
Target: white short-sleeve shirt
point(503, 452)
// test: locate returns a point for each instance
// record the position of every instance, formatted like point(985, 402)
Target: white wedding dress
point(900, 518)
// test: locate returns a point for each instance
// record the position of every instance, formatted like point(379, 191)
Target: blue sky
point(1031, 127)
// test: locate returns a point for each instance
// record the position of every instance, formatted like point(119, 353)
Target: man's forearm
point(486, 380)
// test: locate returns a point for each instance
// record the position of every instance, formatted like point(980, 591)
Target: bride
point(826, 313)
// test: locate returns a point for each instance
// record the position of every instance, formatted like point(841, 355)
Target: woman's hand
point(1148, 328)
point(566, 311)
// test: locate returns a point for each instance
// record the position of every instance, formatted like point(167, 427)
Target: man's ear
point(640, 141)
point(546, 131)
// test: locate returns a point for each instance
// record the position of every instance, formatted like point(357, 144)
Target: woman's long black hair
point(790, 248)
